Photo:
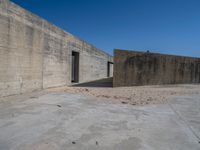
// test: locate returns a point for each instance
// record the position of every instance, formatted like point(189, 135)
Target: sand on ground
point(137, 95)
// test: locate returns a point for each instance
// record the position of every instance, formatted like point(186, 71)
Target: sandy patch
point(138, 95)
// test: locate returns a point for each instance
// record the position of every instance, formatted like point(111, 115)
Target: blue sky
point(165, 26)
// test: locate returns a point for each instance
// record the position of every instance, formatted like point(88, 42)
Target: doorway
point(109, 69)
point(75, 67)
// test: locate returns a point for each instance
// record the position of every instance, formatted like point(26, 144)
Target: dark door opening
point(75, 67)
point(109, 69)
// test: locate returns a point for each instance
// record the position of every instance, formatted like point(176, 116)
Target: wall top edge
point(152, 53)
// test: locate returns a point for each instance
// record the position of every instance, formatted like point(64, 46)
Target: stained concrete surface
point(144, 68)
point(60, 121)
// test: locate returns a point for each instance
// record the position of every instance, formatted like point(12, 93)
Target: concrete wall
point(35, 54)
point(138, 68)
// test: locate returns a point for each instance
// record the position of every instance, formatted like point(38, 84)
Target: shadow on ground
point(108, 82)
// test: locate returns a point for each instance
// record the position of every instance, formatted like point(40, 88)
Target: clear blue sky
point(165, 26)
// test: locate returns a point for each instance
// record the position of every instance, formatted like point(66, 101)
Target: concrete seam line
point(181, 118)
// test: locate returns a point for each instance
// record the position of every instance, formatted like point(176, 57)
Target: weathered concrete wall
point(35, 54)
point(139, 68)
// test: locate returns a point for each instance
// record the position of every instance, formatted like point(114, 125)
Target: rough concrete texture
point(35, 54)
point(144, 68)
point(60, 121)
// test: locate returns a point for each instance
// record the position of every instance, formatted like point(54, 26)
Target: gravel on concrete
point(65, 121)
point(138, 95)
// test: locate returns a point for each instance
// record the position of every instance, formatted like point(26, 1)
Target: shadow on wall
point(107, 82)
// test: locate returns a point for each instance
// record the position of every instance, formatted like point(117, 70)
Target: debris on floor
point(140, 95)
point(33, 97)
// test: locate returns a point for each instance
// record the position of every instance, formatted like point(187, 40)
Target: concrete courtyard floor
point(67, 121)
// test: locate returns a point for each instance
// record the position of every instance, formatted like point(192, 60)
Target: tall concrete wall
point(139, 68)
point(35, 54)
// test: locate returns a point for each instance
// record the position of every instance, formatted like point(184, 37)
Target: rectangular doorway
point(75, 67)
point(109, 69)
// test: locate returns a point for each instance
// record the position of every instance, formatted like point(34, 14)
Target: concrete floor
point(62, 121)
